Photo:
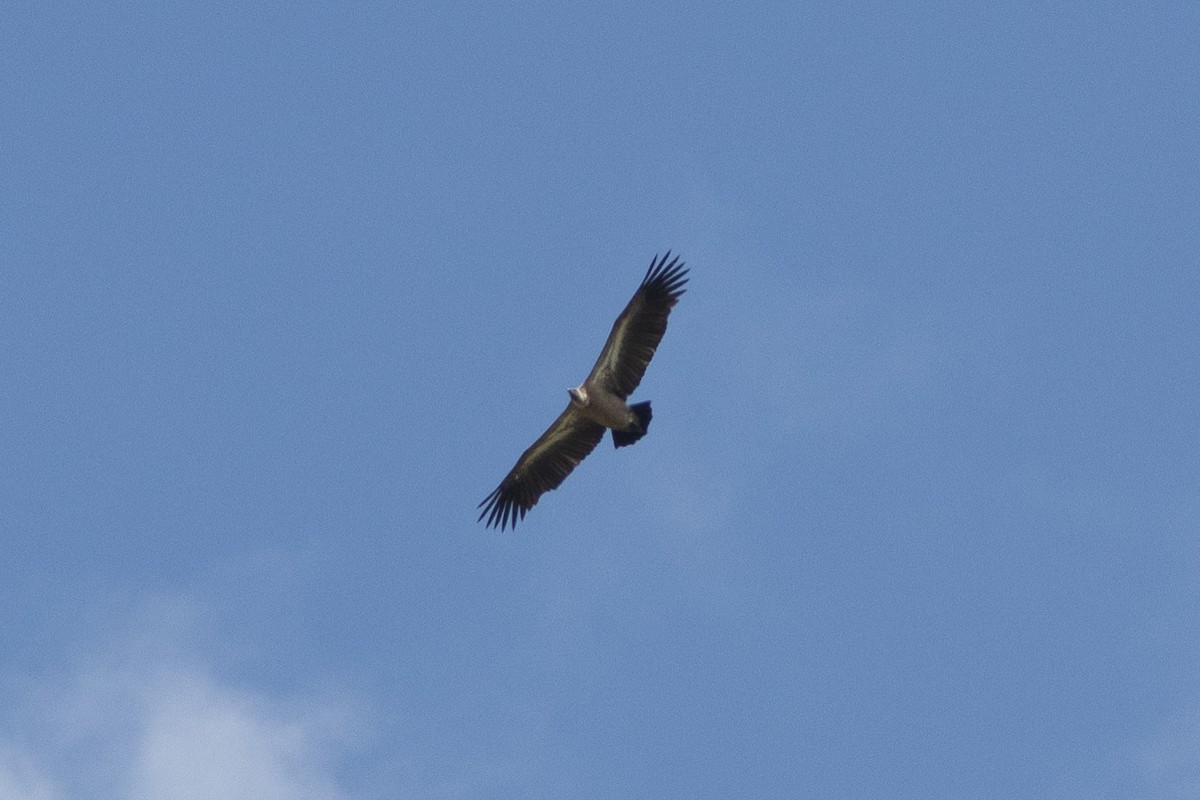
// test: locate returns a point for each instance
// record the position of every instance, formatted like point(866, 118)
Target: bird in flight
point(598, 403)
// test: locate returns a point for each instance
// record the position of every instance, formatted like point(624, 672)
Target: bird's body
point(597, 404)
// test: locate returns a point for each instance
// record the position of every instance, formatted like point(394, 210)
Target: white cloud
point(200, 740)
point(147, 727)
point(20, 780)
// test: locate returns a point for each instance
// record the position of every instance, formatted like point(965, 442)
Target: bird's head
point(579, 395)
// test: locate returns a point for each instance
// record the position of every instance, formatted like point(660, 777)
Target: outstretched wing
point(636, 333)
point(542, 467)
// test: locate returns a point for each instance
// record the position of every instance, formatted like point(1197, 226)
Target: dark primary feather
point(636, 333)
point(542, 467)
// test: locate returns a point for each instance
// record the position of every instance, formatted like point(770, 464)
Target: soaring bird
point(598, 403)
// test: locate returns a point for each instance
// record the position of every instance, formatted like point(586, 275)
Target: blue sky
point(289, 288)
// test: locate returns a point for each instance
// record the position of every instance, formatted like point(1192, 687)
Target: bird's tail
point(637, 430)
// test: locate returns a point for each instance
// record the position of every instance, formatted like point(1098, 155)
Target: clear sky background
point(285, 290)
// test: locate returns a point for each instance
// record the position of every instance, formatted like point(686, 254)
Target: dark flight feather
point(541, 468)
point(636, 333)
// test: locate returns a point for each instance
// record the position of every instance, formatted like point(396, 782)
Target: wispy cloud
point(20, 779)
point(1164, 765)
point(159, 727)
point(202, 740)
point(1169, 766)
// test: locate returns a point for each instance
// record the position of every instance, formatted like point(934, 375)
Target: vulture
point(597, 404)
